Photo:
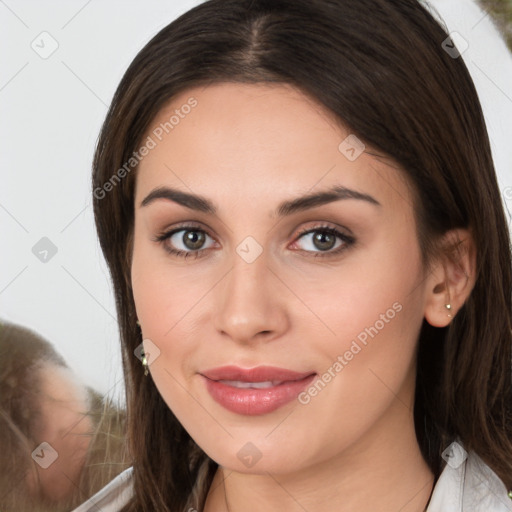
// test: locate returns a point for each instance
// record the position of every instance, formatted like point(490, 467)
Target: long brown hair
point(381, 68)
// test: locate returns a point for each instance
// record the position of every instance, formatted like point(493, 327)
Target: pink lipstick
point(254, 391)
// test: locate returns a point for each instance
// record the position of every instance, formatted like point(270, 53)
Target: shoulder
point(112, 497)
point(467, 483)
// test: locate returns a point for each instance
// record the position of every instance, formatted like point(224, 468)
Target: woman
point(311, 263)
point(51, 425)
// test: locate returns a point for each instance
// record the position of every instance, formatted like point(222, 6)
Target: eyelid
point(183, 226)
point(348, 240)
point(166, 233)
point(326, 226)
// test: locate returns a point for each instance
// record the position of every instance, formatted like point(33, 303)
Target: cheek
point(356, 324)
point(163, 291)
point(372, 298)
point(372, 311)
point(166, 299)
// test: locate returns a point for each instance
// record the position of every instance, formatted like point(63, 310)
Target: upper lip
point(257, 374)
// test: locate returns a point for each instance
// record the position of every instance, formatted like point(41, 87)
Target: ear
point(452, 277)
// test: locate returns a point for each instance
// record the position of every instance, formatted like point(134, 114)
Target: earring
point(144, 362)
point(143, 358)
point(449, 308)
point(510, 494)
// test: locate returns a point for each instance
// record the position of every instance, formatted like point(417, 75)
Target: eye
point(184, 241)
point(326, 239)
point(189, 240)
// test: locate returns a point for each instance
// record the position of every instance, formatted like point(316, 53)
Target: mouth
point(255, 391)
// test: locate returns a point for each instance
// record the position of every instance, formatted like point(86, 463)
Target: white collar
point(468, 484)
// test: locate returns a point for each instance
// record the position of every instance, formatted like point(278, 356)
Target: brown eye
point(185, 241)
point(324, 239)
point(193, 240)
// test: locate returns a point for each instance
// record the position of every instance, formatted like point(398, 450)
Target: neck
point(384, 470)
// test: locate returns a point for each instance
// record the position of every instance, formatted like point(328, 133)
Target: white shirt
point(466, 484)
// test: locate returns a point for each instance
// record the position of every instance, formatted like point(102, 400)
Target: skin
point(247, 147)
point(63, 424)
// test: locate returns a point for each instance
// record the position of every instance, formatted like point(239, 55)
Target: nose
point(250, 303)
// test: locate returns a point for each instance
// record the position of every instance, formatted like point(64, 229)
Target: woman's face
point(63, 424)
point(265, 283)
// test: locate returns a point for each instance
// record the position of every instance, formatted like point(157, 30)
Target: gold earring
point(138, 323)
point(449, 308)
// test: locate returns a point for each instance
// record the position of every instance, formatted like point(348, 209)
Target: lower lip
point(251, 401)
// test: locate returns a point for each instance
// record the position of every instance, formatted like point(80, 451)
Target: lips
point(257, 390)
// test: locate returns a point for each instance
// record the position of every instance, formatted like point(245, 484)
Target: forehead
point(259, 141)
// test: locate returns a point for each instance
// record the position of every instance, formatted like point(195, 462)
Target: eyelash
point(347, 241)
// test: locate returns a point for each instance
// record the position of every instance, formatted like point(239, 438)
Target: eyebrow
point(202, 204)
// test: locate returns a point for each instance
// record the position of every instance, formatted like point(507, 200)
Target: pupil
point(193, 239)
point(324, 240)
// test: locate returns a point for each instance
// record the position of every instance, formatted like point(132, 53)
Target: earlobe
point(452, 278)
point(439, 308)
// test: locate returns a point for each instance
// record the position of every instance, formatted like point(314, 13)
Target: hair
point(24, 354)
point(391, 83)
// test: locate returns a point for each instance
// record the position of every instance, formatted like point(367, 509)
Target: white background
point(51, 112)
